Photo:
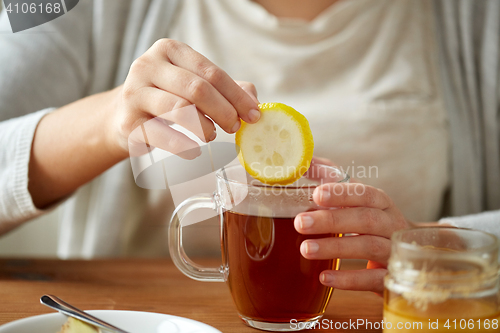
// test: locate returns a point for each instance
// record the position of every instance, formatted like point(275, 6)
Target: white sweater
point(105, 217)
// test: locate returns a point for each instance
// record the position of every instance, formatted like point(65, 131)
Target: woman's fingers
point(250, 89)
point(362, 280)
point(322, 160)
point(172, 83)
point(374, 265)
point(198, 91)
point(323, 173)
point(353, 247)
point(360, 220)
point(351, 195)
point(176, 110)
point(155, 133)
point(183, 56)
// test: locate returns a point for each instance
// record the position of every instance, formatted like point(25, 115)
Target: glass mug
point(442, 280)
point(271, 283)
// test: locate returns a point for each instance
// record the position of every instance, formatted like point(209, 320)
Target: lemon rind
point(307, 152)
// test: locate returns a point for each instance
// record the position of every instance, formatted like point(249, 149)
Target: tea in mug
point(269, 279)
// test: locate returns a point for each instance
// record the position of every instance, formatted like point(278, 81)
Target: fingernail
point(254, 115)
point(311, 247)
point(306, 221)
point(326, 278)
point(213, 136)
point(236, 126)
point(324, 195)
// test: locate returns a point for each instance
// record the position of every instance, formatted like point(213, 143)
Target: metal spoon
point(69, 310)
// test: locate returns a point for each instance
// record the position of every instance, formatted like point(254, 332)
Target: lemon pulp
point(278, 148)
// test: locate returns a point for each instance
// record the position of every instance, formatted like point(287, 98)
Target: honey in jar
point(442, 280)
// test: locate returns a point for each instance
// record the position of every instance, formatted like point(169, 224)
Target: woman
point(365, 73)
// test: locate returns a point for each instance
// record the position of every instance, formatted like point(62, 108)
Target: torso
point(362, 72)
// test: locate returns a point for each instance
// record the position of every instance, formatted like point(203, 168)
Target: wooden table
point(148, 285)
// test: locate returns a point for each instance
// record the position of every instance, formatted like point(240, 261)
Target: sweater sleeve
point(16, 137)
point(41, 69)
point(487, 221)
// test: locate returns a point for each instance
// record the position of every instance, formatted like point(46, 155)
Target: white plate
point(131, 321)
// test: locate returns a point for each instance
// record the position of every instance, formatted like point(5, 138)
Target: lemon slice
point(278, 148)
point(76, 326)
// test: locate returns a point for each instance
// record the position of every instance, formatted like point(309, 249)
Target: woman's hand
point(81, 140)
point(170, 76)
point(366, 211)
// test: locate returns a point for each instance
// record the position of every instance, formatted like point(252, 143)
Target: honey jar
point(442, 280)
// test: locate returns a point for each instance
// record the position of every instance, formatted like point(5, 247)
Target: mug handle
point(179, 257)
